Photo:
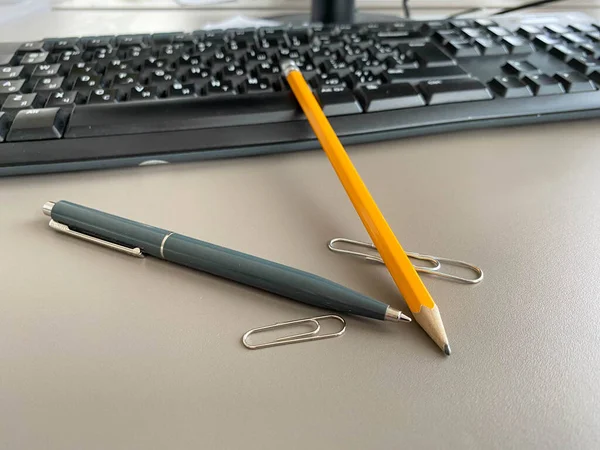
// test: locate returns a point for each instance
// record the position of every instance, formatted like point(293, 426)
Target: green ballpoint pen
point(138, 239)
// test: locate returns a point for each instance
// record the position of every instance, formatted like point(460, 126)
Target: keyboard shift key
point(510, 87)
point(389, 96)
point(337, 101)
point(38, 124)
point(437, 92)
point(4, 124)
point(542, 84)
point(574, 82)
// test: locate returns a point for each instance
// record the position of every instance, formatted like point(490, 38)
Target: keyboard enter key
point(454, 91)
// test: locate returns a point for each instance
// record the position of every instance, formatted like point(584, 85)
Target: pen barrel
point(220, 261)
point(270, 276)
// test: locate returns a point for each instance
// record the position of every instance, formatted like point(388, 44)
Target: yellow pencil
point(418, 299)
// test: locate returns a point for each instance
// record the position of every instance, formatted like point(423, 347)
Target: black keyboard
point(111, 101)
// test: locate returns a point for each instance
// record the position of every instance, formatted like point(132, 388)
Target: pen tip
point(404, 318)
point(447, 350)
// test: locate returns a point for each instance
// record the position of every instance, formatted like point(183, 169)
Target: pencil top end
point(288, 66)
point(447, 350)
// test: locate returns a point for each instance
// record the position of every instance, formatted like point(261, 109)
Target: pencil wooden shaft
point(403, 273)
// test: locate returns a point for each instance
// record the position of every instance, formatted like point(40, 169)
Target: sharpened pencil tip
point(447, 350)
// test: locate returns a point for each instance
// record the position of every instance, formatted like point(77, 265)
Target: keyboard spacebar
point(186, 114)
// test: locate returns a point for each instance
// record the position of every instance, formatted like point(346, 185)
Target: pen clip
point(137, 252)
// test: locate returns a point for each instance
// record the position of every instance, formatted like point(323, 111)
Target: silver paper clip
point(294, 338)
point(435, 261)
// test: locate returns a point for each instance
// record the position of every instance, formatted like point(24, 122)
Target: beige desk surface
point(102, 351)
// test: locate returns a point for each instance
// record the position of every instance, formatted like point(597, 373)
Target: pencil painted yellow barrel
point(401, 269)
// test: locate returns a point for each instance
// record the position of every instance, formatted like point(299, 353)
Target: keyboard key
point(462, 49)
point(585, 64)
point(87, 82)
point(405, 62)
point(518, 67)
point(593, 36)
point(547, 42)
point(542, 84)
point(390, 96)
point(429, 55)
point(197, 73)
point(181, 90)
point(33, 46)
point(396, 37)
point(101, 96)
point(517, 45)
point(256, 86)
point(45, 70)
point(565, 52)
point(337, 101)
point(574, 38)
point(70, 57)
point(556, 29)
point(445, 36)
point(34, 58)
point(64, 99)
point(453, 91)
point(574, 82)
point(10, 72)
point(510, 87)
point(591, 49)
point(143, 93)
point(472, 33)
point(489, 47)
point(582, 27)
point(97, 42)
point(183, 114)
point(120, 79)
point(15, 102)
point(132, 40)
point(62, 45)
point(4, 124)
point(529, 31)
point(217, 87)
point(10, 87)
point(38, 124)
point(499, 32)
point(44, 85)
point(6, 60)
point(81, 68)
point(437, 73)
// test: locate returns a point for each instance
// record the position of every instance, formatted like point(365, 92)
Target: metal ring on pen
point(436, 261)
